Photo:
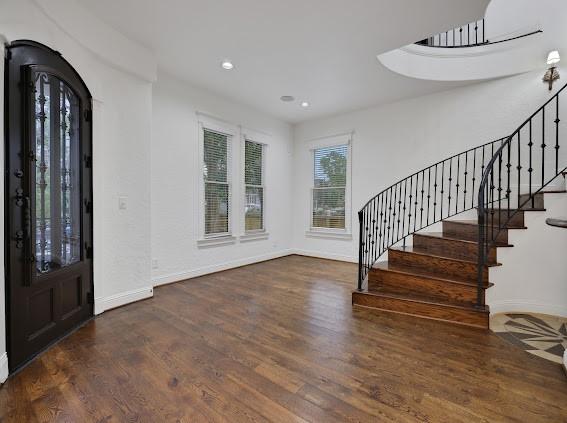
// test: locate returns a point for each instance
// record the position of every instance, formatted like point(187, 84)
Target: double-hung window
point(330, 191)
point(254, 191)
point(216, 181)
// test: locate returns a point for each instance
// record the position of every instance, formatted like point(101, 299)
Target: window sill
point(344, 236)
point(254, 236)
point(216, 241)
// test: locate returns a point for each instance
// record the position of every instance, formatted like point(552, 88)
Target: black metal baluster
point(370, 240)
point(384, 196)
point(410, 198)
point(499, 190)
point(360, 249)
point(457, 185)
point(450, 183)
point(508, 167)
point(482, 167)
point(465, 176)
point(428, 194)
point(435, 196)
point(557, 120)
point(473, 177)
point(367, 238)
point(394, 214)
point(404, 212)
point(389, 218)
point(531, 169)
point(415, 203)
point(442, 188)
point(476, 33)
point(422, 192)
point(377, 251)
point(519, 167)
point(399, 213)
point(543, 145)
point(491, 204)
point(483, 32)
point(481, 226)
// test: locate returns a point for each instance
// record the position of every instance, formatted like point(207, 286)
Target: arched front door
point(48, 217)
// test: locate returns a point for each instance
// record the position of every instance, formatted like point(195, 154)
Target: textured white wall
point(534, 272)
point(176, 171)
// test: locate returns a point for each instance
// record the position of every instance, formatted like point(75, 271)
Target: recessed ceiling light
point(304, 104)
point(287, 98)
point(227, 65)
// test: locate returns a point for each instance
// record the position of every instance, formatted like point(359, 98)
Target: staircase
point(436, 278)
point(444, 274)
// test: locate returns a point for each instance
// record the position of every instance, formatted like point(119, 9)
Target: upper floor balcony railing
point(473, 34)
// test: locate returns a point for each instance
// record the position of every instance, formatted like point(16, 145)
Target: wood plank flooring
point(280, 341)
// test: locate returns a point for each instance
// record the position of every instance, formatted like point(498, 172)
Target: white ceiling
point(322, 51)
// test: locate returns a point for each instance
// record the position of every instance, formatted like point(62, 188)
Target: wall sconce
point(552, 73)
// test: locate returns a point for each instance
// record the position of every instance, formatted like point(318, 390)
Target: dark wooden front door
point(48, 221)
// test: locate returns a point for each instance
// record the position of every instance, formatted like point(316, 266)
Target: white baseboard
point(176, 277)
point(513, 306)
point(3, 367)
point(103, 304)
point(323, 255)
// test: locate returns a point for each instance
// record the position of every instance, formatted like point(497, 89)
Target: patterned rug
point(538, 334)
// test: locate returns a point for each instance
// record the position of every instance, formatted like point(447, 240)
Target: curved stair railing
point(499, 178)
point(526, 162)
point(469, 35)
point(424, 198)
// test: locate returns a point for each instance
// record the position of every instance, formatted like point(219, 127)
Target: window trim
point(318, 232)
point(214, 125)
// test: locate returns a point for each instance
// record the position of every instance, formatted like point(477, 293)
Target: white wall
point(534, 273)
point(121, 157)
point(176, 174)
point(392, 141)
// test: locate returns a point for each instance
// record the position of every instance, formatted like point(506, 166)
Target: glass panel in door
point(57, 182)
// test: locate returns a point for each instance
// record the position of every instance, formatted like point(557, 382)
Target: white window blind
point(329, 187)
point(216, 175)
point(254, 186)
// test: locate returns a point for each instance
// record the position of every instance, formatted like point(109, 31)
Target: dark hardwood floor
point(280, 341)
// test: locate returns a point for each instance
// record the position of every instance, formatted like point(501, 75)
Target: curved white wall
point(534, 272)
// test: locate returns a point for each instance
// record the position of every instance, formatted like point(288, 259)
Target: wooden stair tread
point(424, 299)
point(412, 271)
point(440, 235)
point(475, 223)
point(423, 307)
point(425, 252)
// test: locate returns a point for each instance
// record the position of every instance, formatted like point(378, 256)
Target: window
point(216, 176)
point(253, 186)
point(330, 193)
